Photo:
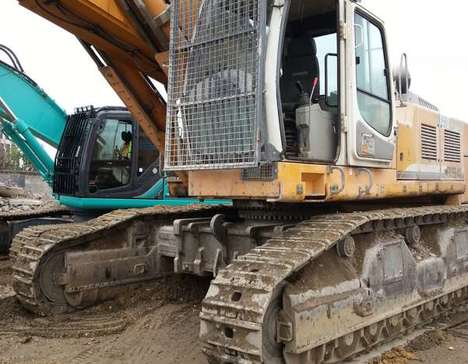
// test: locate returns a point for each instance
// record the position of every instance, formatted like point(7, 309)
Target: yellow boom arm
point(128, 40)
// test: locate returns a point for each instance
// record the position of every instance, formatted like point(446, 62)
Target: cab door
point(369, 103)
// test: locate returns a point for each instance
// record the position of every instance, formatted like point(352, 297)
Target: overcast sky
point(431, 32)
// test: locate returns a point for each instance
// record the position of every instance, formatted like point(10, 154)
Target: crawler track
point(240, 313)
point(34, 248)
point(293, 299)
point(47, 211)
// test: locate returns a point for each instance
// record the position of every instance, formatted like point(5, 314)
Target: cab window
point(148, 155)
point(373, 91)
point(112, 154)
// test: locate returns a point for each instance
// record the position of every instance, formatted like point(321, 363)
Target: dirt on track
point(152, 323)
point(156, 322)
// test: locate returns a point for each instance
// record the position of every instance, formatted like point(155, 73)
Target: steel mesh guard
point(215, 95)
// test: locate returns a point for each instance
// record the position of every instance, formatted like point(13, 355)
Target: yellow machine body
point(410, 174)
point(130, 57)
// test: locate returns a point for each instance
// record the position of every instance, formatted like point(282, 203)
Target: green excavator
point(104, 160)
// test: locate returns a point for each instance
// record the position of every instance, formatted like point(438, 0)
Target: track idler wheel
point(49, 286)
point(394, 326)
point(372, 333)
point(272, 350)
point(346, 247)
point(413, 235)
point(51, 289)
point(412, 317)
point(347, 345)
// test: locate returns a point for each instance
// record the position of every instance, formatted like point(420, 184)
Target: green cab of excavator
point(104, 154)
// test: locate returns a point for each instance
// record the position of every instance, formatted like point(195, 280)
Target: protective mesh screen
point(215, 93)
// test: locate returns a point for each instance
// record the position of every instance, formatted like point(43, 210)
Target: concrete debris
point(11, 192)
point(17, 205)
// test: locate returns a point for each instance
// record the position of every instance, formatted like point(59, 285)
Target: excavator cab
point(268, 74)
point(104, 154)
point(277, 81)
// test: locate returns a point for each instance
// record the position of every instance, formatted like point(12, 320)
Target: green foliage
point(13, 159)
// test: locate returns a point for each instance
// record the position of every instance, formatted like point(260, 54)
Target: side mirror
point(402, 76)
point(331, 79)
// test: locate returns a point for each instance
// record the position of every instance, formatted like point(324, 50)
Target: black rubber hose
point(13, 58)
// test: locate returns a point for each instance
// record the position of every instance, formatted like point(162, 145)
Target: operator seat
point(300, 66)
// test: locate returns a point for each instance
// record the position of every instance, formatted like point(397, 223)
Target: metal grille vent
point(69, 155)
point(265, 172)
point(215, 95)
point(452, 146)
point(428, 142)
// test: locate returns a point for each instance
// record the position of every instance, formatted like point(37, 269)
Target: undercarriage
point(288, 289)
point(336, 285)
point(60, 268)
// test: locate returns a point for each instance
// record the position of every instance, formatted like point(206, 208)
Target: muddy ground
point(154, 323)
point(147, 324)
point(434, 347)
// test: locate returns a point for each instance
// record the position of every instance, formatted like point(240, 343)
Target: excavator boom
point(26, 122)
point(129, 42)
point(104, 24)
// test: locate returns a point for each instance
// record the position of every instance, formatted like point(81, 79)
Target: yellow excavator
point(348, 227)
